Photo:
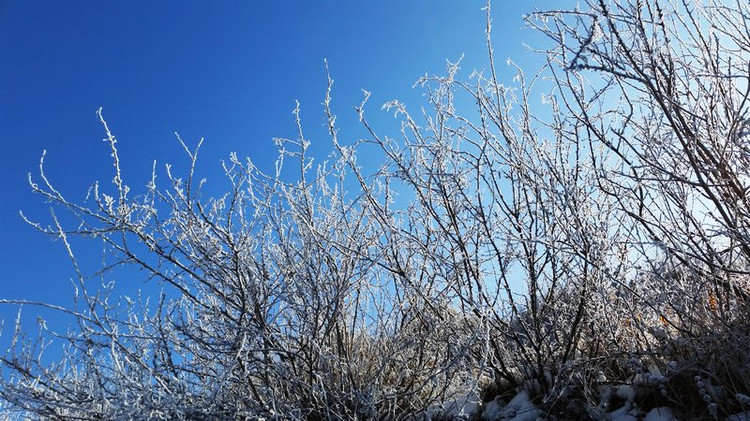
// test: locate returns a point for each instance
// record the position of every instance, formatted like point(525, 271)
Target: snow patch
point(660, 414)
point(623, 414)
point(520, 408)
point(463, 408)
point(744, 416)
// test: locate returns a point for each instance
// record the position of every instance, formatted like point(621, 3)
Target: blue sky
point(226, 71)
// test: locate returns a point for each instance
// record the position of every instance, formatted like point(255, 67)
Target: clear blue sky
point(228, 71)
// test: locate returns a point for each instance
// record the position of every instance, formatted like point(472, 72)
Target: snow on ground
point(660, 414)
point(520, 408)
point(745, 416)
point(463, 408)
point(623, 414)
point(656, 414)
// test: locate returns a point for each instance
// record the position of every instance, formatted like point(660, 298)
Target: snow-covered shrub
point(584, 257)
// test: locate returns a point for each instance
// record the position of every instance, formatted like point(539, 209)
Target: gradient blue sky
point(227, 71)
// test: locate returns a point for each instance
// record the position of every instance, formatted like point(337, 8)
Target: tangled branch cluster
point(566, 249)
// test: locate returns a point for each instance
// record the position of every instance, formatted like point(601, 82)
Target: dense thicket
point(568, 247)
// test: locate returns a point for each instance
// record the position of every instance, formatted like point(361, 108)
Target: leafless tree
point(582, 227)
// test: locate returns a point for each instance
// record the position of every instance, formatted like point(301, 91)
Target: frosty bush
point(568, 249)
